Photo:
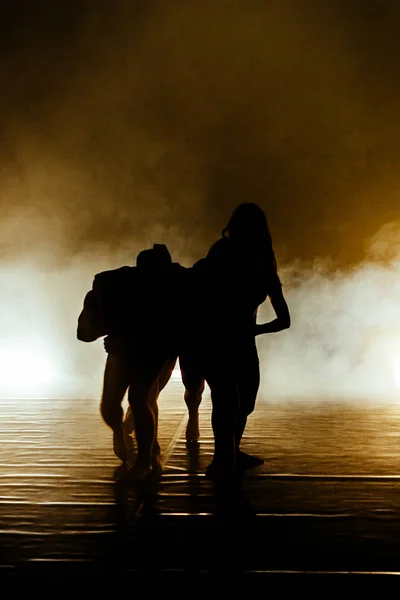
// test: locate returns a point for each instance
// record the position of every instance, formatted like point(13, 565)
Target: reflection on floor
point(326, 499)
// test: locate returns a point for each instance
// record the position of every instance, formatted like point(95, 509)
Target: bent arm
point(281, 309)
point(90, 327)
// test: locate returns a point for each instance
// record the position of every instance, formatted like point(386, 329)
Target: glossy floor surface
point(325, 503)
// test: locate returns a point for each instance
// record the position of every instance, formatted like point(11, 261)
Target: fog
point(344, 341)
point(124, 124)
point(118, 119)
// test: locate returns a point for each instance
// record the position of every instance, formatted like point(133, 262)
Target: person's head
point(156, 258)
point(248, 227)
point(247, 223)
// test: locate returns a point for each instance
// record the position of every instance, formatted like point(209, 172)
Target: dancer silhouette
point(228, 285)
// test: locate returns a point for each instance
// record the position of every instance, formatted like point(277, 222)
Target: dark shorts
point(228, 368)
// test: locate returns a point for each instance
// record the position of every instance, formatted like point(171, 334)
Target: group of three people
point(205, 315)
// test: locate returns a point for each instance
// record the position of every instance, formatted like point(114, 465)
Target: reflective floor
point(326, 502)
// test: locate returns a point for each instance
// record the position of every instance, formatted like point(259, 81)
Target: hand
point(112, 344)
point(106, 343)
point(257, 330)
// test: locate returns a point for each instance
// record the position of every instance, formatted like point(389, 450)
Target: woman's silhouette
point(229, 284)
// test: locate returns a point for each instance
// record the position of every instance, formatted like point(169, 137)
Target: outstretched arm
point(281, 309)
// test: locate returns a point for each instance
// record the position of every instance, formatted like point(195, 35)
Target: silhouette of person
point(193, 381)
point(139, 322)
point(238, 274)
point(142, 328)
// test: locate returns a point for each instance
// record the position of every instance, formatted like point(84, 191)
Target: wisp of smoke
point(345, 335)
point(344, 341)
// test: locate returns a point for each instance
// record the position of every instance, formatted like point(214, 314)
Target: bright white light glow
point(176, 374)
point(25, 365)
point(396, 369)
point(344, 341)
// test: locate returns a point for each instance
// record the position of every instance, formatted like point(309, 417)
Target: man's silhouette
point(139, 310)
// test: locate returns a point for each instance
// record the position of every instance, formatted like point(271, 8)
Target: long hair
point(248, 226)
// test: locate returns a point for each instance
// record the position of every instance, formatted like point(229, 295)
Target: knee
point(223, 421)
point(112, 415)
point(140, 399)
point(194, 388)
point(248, 408)
point(248, 400)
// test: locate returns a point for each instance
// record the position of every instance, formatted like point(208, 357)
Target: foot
point(155, 465)
point(155, 469)
point(248, 461)
point(129, 445)
point(139, 472)
point(119, 445)
point(192, 429)
point(120, 472)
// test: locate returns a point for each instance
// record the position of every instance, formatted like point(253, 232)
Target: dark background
point(128, 122)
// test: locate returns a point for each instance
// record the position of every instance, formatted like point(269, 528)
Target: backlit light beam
point(26, 365)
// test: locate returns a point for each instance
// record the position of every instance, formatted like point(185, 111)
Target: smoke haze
point(345, 337)
point(344, 341)
point(124, 124)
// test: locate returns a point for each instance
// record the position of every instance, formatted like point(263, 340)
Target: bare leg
point(249, 382)
point(194, 387)
point(128, 429)
point(223, 422)
point(221, 376)
point(145, 426)
point(225, 405)
point(153, 401)
point(156, 450)
point(193, 399)
point(142, 396)
point(115, 385)
point(164, 378)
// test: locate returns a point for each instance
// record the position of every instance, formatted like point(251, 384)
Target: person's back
point(142, 345)
point(230, 287)
point(237, 275)
point(135, 308)
point(114, 292)
point(141, 304)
